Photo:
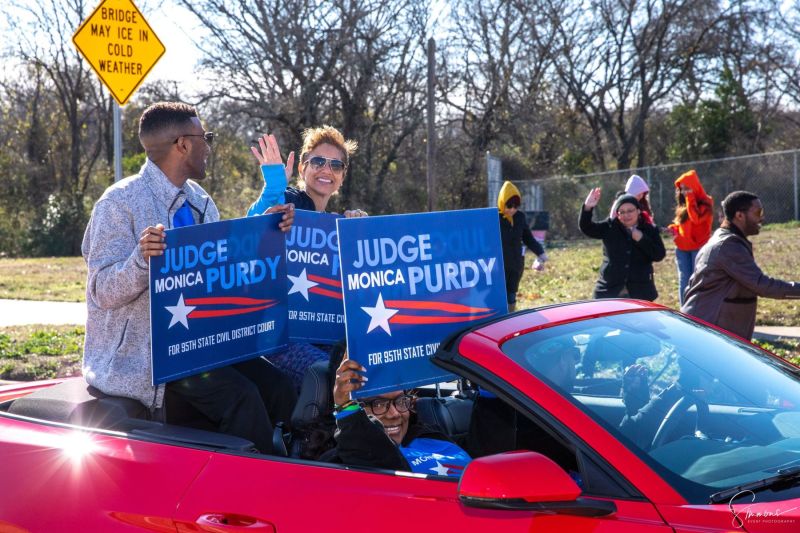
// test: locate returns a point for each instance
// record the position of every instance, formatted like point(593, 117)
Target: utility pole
point(117, 143)
point(431, 153)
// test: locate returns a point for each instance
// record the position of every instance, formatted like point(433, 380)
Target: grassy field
point(40, 352)
point(57, 279)
point(36, 352)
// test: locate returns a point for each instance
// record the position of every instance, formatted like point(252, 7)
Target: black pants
point(231, 399)
point(275, 386)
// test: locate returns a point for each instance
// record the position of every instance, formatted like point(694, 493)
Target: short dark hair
point(163, 115)
point(737, 201)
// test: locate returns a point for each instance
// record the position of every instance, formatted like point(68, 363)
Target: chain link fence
point(773, 177)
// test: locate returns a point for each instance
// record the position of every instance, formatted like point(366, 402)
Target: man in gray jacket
point(125, 230)
point(727, 282)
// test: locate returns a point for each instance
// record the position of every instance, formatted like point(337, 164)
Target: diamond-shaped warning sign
point(120, 46)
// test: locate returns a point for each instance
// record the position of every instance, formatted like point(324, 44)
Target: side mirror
point(525, 481)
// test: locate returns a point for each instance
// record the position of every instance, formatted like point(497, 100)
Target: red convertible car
point(629, 417)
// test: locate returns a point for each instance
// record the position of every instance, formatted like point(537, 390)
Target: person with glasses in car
point(324, 159)
point(630, 247)
point(727, 282)
point(126, 229)
point(383, 431)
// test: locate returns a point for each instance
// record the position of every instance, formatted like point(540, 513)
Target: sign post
point(122, 48)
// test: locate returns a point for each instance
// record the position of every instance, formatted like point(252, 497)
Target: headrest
point(316, 395)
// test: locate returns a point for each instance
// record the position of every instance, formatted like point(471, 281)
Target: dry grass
point(58, 279)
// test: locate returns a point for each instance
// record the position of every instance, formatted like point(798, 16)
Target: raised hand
point(592, 199)
point(349, 378)
point(269, 153)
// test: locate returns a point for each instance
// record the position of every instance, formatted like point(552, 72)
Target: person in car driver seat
point(383, 432)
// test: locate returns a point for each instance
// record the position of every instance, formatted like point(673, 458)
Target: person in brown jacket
point(727, 282)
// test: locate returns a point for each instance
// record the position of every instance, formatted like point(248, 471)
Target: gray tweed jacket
point(116, 355)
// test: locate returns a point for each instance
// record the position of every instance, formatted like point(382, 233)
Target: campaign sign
point(316, 311)
point(409, 281)
point(217, 296)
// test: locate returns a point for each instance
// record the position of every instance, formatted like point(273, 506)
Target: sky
point(175, 27)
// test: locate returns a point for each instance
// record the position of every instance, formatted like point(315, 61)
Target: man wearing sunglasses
point(727, 282)
point(125, 230)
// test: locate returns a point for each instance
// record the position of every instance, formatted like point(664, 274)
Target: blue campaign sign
point(217, 296)
point(316, 311)
point(409, 281)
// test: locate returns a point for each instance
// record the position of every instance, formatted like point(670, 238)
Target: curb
point(774, 333)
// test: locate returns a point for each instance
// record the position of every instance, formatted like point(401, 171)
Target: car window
point(696, 403)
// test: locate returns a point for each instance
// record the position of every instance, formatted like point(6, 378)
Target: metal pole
point(796, 212)
point(431, 124)
point(117, 143)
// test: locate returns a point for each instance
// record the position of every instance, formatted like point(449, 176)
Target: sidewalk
point(771, 333)
point(24, 312)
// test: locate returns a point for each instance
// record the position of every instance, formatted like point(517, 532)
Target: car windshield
point(707, 411)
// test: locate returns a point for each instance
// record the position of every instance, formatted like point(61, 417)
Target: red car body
point(58, 477)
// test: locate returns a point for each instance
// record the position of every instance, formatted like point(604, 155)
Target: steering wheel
point(675, 416)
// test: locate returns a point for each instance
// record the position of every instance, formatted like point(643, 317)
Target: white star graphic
point(439, 469)
point(301, 284)
point(179, 313)
point(380, 315)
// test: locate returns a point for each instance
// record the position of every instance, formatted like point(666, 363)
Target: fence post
point(796, 212)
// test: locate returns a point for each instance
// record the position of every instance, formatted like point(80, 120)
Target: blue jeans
point(685, 262)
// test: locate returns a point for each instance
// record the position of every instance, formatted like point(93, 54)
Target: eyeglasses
point(379, 406)
point(318, 162)
point(207, 136)
point(627, 212)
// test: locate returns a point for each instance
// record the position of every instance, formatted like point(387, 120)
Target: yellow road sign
point(120, 46)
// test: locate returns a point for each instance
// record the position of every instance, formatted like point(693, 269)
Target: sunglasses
point(207, 136)
point(379, 406)
point(318, 162)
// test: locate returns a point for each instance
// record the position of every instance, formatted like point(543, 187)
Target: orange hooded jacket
point(696, 230)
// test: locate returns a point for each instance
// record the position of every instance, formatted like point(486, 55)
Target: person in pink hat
point(637, 187)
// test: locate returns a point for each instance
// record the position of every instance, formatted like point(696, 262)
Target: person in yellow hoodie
point(691, 227)
point(514, 231)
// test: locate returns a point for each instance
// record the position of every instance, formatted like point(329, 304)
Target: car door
point(58, 478)
point(272, 494)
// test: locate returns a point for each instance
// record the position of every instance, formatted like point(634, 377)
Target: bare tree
point(493, 85)
point(291, 64)
point(618, 59)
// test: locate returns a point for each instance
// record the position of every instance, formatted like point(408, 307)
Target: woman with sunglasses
point(324, 159)
point(383, 431)
point(630, 247)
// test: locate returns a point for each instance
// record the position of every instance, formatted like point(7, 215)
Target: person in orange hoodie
point(691, 227)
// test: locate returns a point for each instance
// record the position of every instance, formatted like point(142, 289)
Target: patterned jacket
point(116, 355)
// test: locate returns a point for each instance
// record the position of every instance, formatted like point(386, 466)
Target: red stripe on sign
point(325, 292)
point(227, 312)
point(438, 306)
point(226, 300)
point(326, 281)
point(406, 319)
